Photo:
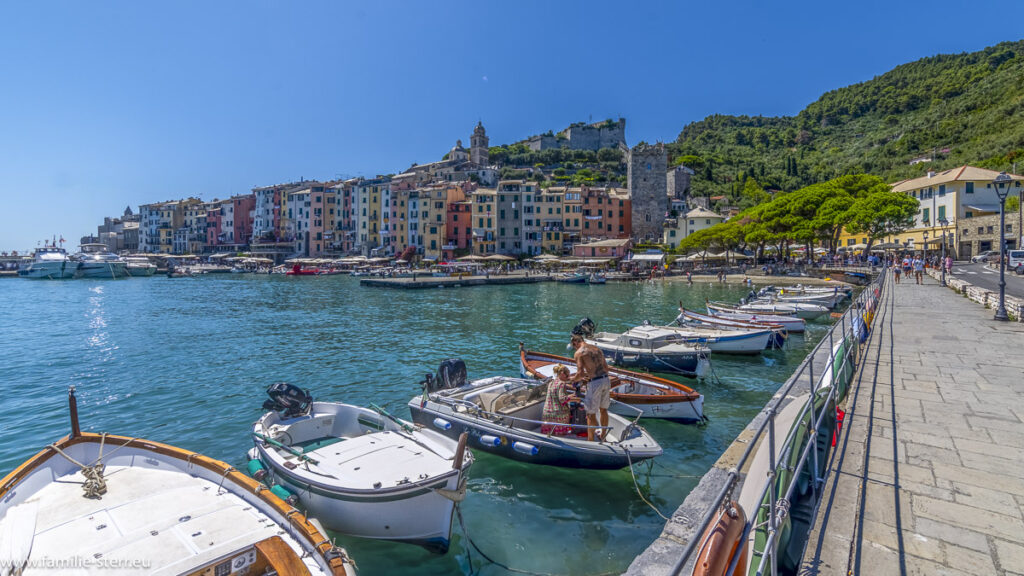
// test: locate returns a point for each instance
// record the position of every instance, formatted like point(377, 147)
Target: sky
point(105, 105)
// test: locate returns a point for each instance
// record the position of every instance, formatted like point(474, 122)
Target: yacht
point(50, 263)
point(95, 261)
point(139, 266)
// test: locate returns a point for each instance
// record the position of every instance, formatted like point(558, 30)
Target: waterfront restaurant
point(614, 248)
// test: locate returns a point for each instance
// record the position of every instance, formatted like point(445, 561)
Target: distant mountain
point(952, 109)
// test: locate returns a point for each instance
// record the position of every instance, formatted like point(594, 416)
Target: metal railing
point(848, 328)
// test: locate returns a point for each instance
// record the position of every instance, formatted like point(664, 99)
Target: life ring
point(721, 542)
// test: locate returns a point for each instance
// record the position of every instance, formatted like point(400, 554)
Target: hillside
point(956, 109)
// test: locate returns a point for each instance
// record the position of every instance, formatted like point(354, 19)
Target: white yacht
point(139, 266)
point(94, 261)
point(50, 263)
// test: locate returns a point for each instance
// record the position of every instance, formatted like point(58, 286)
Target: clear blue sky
point(108, 104)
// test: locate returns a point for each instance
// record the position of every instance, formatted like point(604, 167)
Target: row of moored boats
point(94, 261)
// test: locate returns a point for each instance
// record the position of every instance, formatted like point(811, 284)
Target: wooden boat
point(503, 417)
point(743, 341)
point(90, 503)
point(770, 295)
point(655, 397)
point(653, 348)
point(691, 318)
point(792, 322)
point(359, 471)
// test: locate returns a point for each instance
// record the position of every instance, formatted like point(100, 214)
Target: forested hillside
point(956, 109)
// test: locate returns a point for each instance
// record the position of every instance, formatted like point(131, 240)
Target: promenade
point(929, 473)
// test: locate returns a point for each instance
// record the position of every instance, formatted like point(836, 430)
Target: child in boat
point(556, 406)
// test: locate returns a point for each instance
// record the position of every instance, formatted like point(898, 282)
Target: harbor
point(187, 361)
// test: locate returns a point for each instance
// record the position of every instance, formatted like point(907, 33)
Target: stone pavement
point(928, 477)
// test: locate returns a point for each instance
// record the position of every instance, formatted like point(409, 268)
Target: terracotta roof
point(959, 174)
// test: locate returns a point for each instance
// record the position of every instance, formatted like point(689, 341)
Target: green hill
point(956, 109)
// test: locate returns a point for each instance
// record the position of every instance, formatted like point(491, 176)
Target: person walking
point(896, 273)
point(918, 265)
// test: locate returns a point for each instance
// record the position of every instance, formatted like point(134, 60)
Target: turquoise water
point(186, 361)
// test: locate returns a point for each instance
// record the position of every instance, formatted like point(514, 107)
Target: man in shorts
point(592, 369)
point(918, 269)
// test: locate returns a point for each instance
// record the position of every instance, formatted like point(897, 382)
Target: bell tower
point(478, 146)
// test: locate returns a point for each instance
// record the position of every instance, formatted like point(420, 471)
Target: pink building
point(458, 228)
point(213, 227)
point(244, 209)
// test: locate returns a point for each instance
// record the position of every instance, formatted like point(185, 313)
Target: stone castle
point(646, 173)
point(583, 136)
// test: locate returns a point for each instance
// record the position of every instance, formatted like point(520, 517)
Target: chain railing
point(850, 328)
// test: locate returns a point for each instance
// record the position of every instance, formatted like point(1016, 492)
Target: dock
point(930, 478)
point(428, 281)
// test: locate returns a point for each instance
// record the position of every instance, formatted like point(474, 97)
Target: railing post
point(772, 489)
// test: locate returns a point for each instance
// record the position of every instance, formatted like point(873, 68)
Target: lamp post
point(942, 263)
point(1002, 183)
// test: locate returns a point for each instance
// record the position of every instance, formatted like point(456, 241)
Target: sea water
point(186, 361)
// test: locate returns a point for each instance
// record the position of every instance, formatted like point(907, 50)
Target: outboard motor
point(584, 327)
point(450, 374)
point(288, 399)
point(751, 296)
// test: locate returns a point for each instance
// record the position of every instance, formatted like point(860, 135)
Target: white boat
point(139, 266)
point(791, 323)
point(94, 261)
point(95, 503)
point(362, 472)
point(50, 263)
point(771, 295)
point(654, 348)
point(725, 341)
point(800, 310)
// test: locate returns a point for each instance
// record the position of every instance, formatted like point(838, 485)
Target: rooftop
point(960, 174)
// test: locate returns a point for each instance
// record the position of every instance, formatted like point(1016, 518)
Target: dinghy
point(655, 397)
point(359, 471)
point(690, 318)
point(809, 312)
point(503, 416)
point(792, 324)
point(653, 348)
point(96, 503)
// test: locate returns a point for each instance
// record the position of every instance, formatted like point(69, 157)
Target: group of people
point(916, 266)
point(592, 370)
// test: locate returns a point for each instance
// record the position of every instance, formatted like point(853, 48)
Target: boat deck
point(376, 460)
point(149, 521)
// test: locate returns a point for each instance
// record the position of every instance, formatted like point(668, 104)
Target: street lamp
point(1002, 183)
point(942, 263)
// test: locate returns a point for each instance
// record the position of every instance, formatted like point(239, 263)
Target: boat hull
point(683, 405)
point(54, 270)
point(141, 271)
point(742, 343)
point(102, 270)
point(792, 324)
point(686, 363)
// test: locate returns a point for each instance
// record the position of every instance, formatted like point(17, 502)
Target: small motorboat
point(298, 270)
point(830, 300)
point(793, 324)
point(503, 417)
point(571, 278)
point(690, 318)
point(90, 503)
point(804, 311)
point(139, 266)
point(655, 397)
point(596, 278)
point(359, 471)
point(841, 289)
point(653, 348)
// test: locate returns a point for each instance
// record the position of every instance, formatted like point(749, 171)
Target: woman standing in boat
point(556, 413)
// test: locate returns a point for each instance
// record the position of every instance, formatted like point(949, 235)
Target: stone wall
point(646, 174)
point(678, 181)
point(981, 233)
point(582, 136)
point(987, 298)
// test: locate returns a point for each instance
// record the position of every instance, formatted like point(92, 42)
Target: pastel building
point(484, 221)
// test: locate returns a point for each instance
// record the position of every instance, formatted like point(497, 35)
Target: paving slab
point(932, 479)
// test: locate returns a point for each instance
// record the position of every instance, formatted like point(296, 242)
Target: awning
point(647, 258)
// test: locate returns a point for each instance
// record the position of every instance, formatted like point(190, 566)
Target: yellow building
point(947, 200)
point(572, 211)
point(549, 206)
point(433, 202)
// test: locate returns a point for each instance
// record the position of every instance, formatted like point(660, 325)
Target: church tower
point(478, 146)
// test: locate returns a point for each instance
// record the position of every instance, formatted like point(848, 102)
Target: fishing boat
point(792, 324)
point(92, 503)
point(655, 397)
point(49, 263)
point(690, 318)
point(571, 278)
point(844, 290)
point(139, 266)
point(653, 348)
point(361, 472)
point(95, 261)
point(503, 414)
point(829, 300)
point(596, 278)
point(743, 341)
point(804, 311)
